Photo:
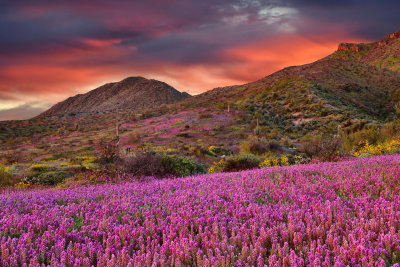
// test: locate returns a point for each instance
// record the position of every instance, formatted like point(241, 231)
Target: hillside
point(328, 91)
point(334, 95)
point(382, 54)
point(131, 93)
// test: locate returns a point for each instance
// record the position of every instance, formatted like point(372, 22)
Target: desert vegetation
point(181, 143)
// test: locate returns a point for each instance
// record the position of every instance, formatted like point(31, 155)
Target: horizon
point(57, 50)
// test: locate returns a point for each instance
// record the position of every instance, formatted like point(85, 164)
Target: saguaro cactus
point(117, 124)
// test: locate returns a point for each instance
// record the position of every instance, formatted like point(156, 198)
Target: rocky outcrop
point(388, 38)
point(366, 47)
point(353, 47)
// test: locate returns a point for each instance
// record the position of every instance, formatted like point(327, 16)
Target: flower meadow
point(328, 214)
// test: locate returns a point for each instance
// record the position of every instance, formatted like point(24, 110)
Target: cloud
point(54, 49)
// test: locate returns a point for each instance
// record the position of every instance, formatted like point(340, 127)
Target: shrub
point(387, 147)
point(217, 166)
point(144, 164)
point(258, 147)
point(200, 151)
point(220, 151)
point(324, 148)
point(182, 166)
point(48, 178)
point(283, 160)
point(241, 162)
point(6, 179)
point(133, 138)
point(156, 165)
point(12, 157)
point(109, 152)
point(351, 140)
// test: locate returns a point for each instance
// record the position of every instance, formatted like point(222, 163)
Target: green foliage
point(161, 165)
point(48, 178)
point(13, 157)
point(257, 146)
point(220, 151)
point(182, 166)
point(6, 179)
point(241, 162)
point(354, 139)
point(326, 148)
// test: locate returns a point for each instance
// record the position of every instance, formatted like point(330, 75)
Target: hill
point(131, 93)
point(348, 84)
point(341, 94)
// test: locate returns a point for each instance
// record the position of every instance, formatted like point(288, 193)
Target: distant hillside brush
point(354, 139)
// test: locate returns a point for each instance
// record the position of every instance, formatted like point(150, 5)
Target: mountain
point(131, 93)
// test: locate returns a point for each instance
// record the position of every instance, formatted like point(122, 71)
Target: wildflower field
point(328, 214)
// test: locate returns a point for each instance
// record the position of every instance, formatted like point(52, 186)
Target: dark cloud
point(368, 19)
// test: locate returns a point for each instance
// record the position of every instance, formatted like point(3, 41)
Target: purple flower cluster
point(329, 214)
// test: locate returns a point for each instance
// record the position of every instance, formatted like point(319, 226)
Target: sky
point(53, 49)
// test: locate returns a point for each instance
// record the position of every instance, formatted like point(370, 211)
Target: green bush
point(48, 178)
point(326, 148)
point(6, 179)
point(258, 146)
point(156, 165)
point(220, 151)
point(182, 166)
point(241, 162)
point(351, 140)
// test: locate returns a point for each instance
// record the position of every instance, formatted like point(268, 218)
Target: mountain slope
point(336, 92)
point(347, 83)
point(383, 54)
point(131, 93)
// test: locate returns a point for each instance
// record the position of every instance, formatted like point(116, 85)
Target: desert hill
point(343, 93)
point(131, 93)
